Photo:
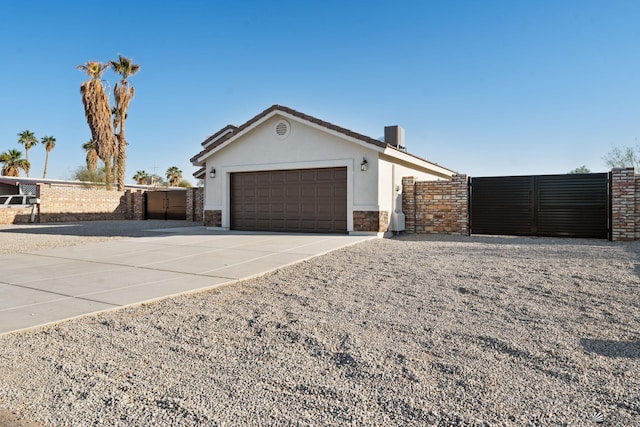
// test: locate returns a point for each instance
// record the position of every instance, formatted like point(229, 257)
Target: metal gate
point(575, 205)
point(166, 205)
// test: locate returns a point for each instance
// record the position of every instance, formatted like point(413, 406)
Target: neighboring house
point(18, 185)
point(283, 170)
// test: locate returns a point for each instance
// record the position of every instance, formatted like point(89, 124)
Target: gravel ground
point(415, 330)
point(29, 237)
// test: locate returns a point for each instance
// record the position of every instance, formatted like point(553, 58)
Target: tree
point(184, 183)
point(625, 157)
point(141, 177)
point(174, 175)
point(98, 114)
point(95, 178)
point(581, 169)
point(122, 93)
point(49, 143)
point(92, 158)
point(12, 162)
point(28, 139)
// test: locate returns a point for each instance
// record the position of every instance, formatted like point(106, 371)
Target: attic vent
point(282, 129)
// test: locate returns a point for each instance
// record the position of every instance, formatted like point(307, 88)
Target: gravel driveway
point(414, 330)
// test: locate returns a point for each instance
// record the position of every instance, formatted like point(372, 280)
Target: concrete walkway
point(48, 286)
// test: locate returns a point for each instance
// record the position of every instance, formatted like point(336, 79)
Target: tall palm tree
point(12, 162)
point(92, 158)
point(49, 143)
point(98, 114)
point(174, 175)
point(28, 139)
point(122, 93)
point(141, 177)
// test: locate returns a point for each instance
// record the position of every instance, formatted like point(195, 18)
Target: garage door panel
point(308, 175)
point(292, 176)
point(309, 200)
point(324, 190)
point(307, 192)
point(292, 192)
point(308, 208)
point(326, 175)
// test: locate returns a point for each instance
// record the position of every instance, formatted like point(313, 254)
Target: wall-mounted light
point(364, 165)
point(212, 173)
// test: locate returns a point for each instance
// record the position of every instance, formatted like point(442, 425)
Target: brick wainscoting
point(213, 218)
point(371, 221)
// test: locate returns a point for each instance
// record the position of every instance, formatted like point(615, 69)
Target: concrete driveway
point(48, 286)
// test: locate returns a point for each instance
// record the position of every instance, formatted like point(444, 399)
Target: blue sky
point(485, 88)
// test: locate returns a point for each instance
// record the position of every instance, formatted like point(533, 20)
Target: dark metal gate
point(166, 205)
point(574, 205)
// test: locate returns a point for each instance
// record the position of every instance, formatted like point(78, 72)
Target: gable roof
point(230, 131)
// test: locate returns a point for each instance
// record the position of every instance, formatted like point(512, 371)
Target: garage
point(298, 200)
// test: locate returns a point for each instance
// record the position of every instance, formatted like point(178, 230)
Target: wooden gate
point(574, 205)
point(166, 205)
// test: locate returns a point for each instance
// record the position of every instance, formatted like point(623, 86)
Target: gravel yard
point(414, 330)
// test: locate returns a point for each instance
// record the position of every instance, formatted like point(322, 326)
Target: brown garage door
point(304, 200)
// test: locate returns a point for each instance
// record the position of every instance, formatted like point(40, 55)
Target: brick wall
point(213, 218)
point(195, 204)
point(436, 206)
point(59, 204)
point(134, 204)
point(623, 204)
point(75, 203)
point(15, 216)
point(371, 221)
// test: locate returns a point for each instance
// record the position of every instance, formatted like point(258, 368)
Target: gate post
point(623, 203)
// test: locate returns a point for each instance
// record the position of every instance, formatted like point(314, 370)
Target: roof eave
point(424, 164)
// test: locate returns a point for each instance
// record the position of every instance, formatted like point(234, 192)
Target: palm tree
point(98, 114)
point(174, 175)
point(92, 158)
point(12, 162)
point(28, 139)
point(49, 143)
point(122, 93)
point(141, 177)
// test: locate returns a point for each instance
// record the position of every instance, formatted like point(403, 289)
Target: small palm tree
point(49, 143)
point(98, 114)
point(174, 175)
point(12, 162)
point(28, 139)
point(92, 158)
point(141, 177)
point(122, 94)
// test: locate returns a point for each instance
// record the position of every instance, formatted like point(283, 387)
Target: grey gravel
point(414, 330)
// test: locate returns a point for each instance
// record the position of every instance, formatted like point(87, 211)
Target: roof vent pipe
point(394, 136)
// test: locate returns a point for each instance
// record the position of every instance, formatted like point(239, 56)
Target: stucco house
point(283, 170)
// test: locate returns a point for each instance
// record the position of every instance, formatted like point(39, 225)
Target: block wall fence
point(430, 207)
point(443, 206)
point(74, 203)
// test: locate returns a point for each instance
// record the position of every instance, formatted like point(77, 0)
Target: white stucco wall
point(304, 147)
point(390, 182)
